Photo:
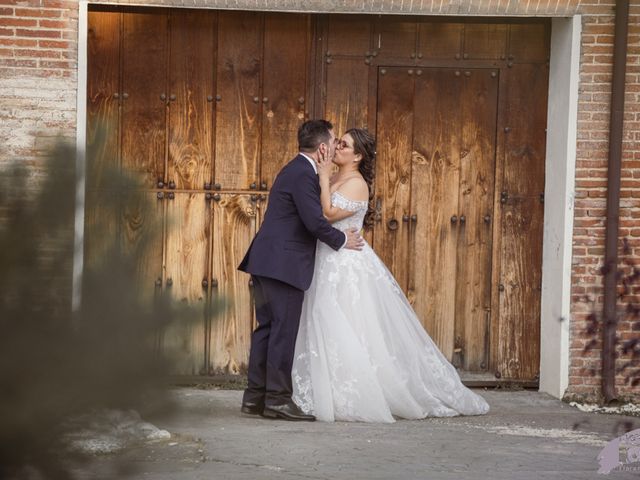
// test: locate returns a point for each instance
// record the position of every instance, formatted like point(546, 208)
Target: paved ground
point(527, 435)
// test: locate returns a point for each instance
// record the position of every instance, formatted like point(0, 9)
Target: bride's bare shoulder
point(355, 189)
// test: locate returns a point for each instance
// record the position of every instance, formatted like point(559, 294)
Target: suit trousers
point(278, 309)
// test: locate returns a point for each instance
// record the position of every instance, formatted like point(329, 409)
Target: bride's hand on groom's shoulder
point(354, 239)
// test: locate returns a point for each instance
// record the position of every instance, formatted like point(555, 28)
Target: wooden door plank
point(103, 86)
point(191, 69)
point(395, 40)
point(520, 254)
point(101, 227)
point(521, 277)
point(349, 35)
point(434, 199)
point(286, 45)
point(261, 209)
point(478, 102)
point(347, 93)
point(187, 260)
point(141, 226)
point(529, 42)
point(496, 266)
point(234, 226)
point(393, 169)
point(484, 41)
point(144, 70)
point(101, 224)
point(239, 67)
point(525, 122)
point(439, 40)
point(317, 79)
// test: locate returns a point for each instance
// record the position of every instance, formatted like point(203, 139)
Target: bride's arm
point(331, 213)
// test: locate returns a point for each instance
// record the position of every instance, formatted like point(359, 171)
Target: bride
point(361, 352)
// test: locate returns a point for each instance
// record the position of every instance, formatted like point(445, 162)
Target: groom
point(281, 260)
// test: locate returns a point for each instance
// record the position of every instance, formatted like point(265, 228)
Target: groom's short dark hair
point(312, 133)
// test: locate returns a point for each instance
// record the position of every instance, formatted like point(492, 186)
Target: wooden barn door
point(459, 179)
point(203, 108)
point(395, 124)
point(452, 179)
point(261, 100)
point(520, 199)
point(436, 163)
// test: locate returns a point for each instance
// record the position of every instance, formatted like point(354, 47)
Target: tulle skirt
point(361, 352)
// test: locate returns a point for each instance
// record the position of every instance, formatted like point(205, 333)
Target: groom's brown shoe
point(288, 411)
point(251, 408)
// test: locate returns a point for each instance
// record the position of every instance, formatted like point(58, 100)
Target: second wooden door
point(436, 167)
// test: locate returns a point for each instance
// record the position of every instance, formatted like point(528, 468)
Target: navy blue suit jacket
point(285, 246)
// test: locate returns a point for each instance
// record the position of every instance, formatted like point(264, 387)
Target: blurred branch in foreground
point(56, 366)
point(627, 341)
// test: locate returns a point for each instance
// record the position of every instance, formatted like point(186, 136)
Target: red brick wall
point(38, 64)
point(38, 61)
point(591, 180)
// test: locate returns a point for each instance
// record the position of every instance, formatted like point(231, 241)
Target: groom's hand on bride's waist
point(354, 240)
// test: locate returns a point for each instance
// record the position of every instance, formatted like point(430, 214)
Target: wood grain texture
point(347, 93)
point(286, 46)
point(521, 258)
point(440, 40)
point(187, 260)
point(393, 169)
point(529, 42)
point(234, 226)
point(520, 254)
point(526, 119)
point(191, 70)
point(395, 39)
point(103, 83)
point(434, 199)
point(238, 116)
point(434, 135)
point(140, 228)
point(484, 41)
point(496, 266)
point(144, 70)
point(101, 227)
point(349, 35)
point(261, 209)
point(478, 102)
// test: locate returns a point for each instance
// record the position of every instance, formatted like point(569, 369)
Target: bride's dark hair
point(365, 145)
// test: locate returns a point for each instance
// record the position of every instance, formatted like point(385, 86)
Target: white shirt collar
point(312, 161)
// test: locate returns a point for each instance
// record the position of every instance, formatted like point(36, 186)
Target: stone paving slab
point(527, 435)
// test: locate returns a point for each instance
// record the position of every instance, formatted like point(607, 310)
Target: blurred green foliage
point(56, 364)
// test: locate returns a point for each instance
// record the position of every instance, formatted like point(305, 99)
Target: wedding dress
point(361, 353)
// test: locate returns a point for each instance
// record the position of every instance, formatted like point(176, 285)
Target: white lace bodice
point(359, 207)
